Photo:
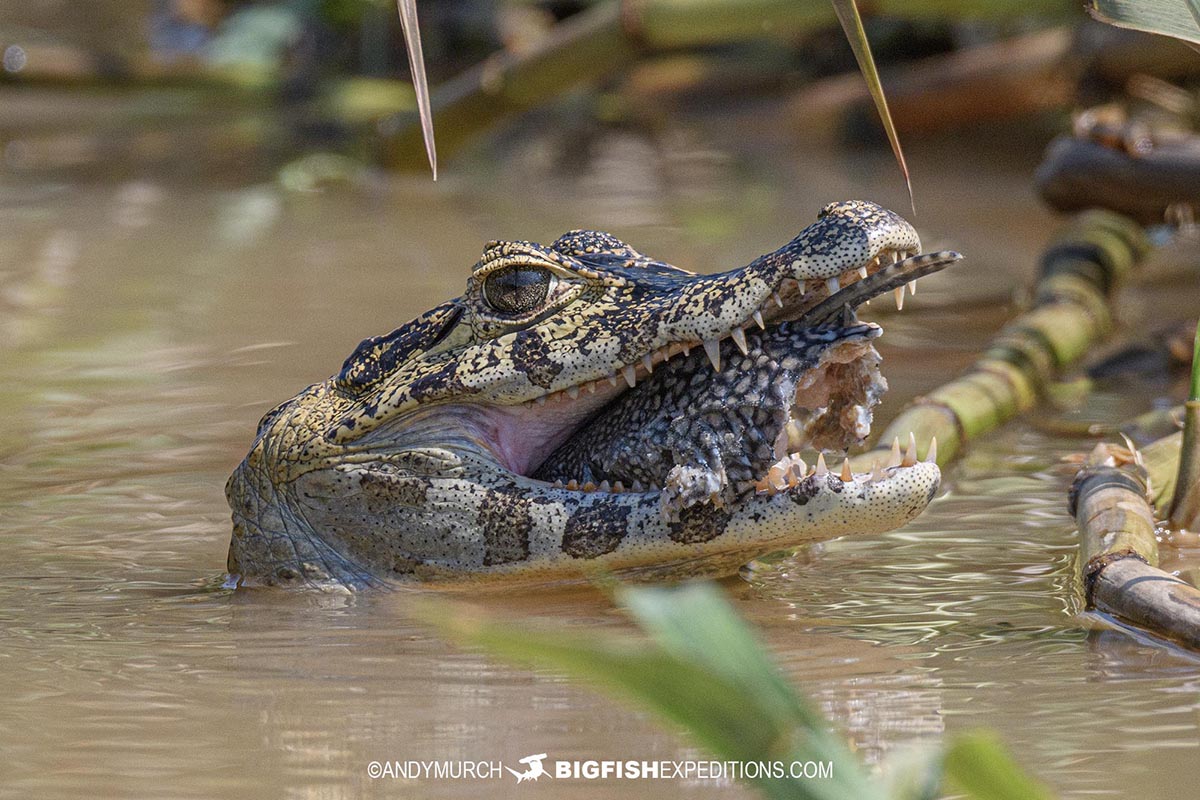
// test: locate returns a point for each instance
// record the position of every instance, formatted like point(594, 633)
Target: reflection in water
point(146, 327)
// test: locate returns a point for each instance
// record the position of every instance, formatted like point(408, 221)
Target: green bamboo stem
point(1119, 552)
point(1071, 312)
point(1185, 502)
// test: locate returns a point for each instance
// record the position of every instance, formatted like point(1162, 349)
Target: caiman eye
point(517, 289)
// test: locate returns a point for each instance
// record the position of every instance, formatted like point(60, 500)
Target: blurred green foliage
point(703, 669)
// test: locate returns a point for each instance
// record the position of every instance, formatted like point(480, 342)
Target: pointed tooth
point(618, 487)
point(712, 347)
point(778, 300)
point(573, 392)
point(541, 401)
point(899, 294)
point(821, 470)
point(629, 375)
point(847, 475)
point(739, 338)
point(573, 485)
point(685, 348)
point(604, 486)
point(612, 380)
point(931, 453)
point(589, 487)
point(558, 484)
point(795, 435)
point(591, 386)
point(910, 454)
point(636, 486)
point(896, 257)
point(876, 471)
point(912, 288)
point(758, 319)
point(648, 363)
point(862, 272)
point(832, 284)
point(894, 461)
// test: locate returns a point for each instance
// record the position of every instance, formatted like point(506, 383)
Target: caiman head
point(585, 409)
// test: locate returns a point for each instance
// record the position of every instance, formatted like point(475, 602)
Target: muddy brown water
point(148, 323)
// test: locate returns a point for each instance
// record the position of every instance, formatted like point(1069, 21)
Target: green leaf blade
point(851, 21)
point(416, 63)
point(1177, 18)
point(978, 764)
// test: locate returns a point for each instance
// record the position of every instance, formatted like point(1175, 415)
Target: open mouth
point(752, 411)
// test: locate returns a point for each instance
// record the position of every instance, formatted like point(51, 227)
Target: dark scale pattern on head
point(535, 358)
point(685, 414)
point(376, 358)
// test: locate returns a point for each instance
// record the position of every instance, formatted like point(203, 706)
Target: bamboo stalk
point(1071, 311)
point(1185, 502)
point(1119, 552)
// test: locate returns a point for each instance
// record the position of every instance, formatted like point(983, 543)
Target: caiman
point(583, 409)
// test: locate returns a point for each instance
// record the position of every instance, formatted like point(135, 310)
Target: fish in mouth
point(582, 408)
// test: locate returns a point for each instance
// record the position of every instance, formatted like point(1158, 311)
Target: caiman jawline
point(813, 302)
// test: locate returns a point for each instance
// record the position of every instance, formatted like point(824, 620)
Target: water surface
point(148, 320)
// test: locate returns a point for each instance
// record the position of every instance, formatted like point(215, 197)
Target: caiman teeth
point(898, 292)
point(910, 455)
point(629, 374)
point(787, 473)
point(712, 348)
point(895, 460)
point(758, 319)
point(739, 338)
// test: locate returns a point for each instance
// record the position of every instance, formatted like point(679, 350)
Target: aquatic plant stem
point(1185, 503)
point(1119, 551)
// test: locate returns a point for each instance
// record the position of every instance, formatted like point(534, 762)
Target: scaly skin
point(417, 461)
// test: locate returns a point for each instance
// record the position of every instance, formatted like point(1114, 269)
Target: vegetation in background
point(704, 670)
